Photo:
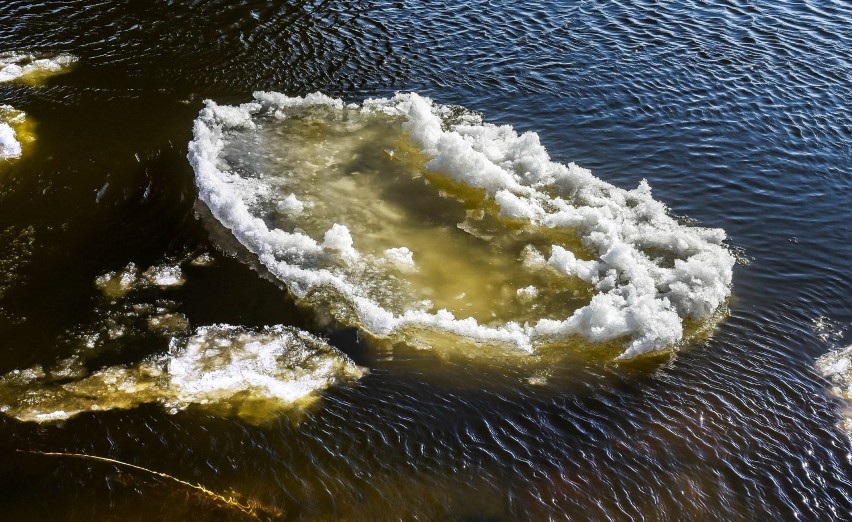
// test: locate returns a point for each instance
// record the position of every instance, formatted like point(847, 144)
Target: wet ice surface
point(33, 67)
point(253, 373)
point(14, 128)
point(420, 215)
point(836, 366)
point(227, 369)
point(10, 147)
point(119, 283)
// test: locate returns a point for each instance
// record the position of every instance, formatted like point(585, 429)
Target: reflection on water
point(737, 114)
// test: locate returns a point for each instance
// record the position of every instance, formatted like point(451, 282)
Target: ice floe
point(836, 366)
point(401, 214)
point(15, 128)
point(33, 67)
point(228, 369)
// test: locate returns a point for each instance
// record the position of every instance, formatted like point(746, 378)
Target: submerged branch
point(250, 508)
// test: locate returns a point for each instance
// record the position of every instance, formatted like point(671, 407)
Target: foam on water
point(401, 215)
point(33, 67)
point(229, 369)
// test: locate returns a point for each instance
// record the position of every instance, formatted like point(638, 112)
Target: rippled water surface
point(739, 115)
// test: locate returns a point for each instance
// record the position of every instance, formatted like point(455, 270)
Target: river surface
point(738, 114)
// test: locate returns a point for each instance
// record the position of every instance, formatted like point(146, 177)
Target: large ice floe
point(33, 67)
point(228, 369)
point(410, 219)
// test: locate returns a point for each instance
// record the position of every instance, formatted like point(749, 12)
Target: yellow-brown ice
point(229, 369)
point(411, 220)
point(33, 68)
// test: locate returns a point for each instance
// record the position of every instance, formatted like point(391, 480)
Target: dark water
point(738, 113)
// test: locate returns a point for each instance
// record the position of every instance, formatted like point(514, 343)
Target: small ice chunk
point(402, 257)
point(235, 117)
point(277, 363)
point(17, 65)
point(338, 239)
point(539, 379)
point(532, 258)
point(227, 368)
point(291, 205)
point(204, 259)
point(10, 72)
point(527, 294)
point(119, 283)
point(566, 262)
point(164, 276)
point(516, 207)
point(10, 147)
point(836, 366)
point(168, 323)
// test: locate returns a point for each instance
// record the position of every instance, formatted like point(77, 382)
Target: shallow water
point(738, 115)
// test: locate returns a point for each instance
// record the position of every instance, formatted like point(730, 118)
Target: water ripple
point(737, 112)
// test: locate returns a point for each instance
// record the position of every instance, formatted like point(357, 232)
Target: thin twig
point(220, 499)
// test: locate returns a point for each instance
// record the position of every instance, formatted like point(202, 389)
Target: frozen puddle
point(229, 369)
point(33, 67)
point(413, 220)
